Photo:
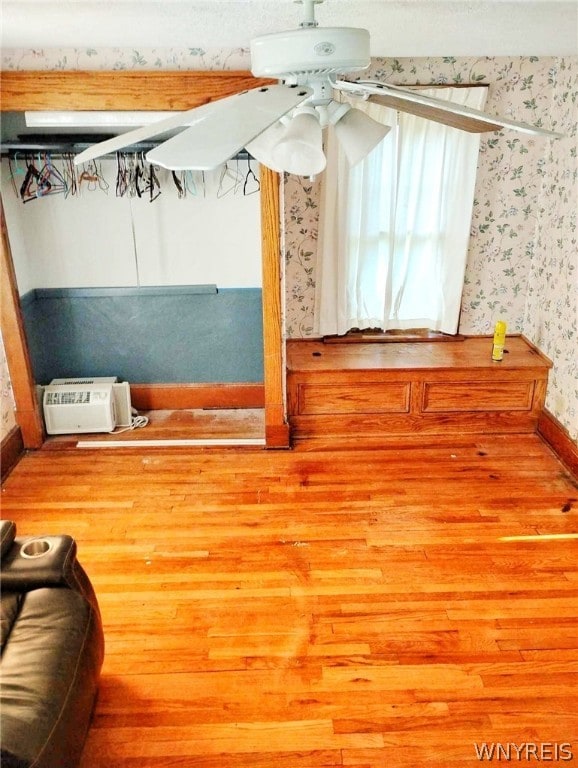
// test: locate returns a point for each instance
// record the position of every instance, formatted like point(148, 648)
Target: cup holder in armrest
point(36, 548)
point(39, 561)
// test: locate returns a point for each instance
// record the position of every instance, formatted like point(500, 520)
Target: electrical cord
point(137, 422)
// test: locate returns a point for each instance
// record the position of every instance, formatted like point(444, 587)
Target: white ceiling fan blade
point(280, 98)
point(230, 125)
point(129, 138)
point(446, 112)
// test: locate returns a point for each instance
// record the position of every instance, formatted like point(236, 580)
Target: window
point(394, 229)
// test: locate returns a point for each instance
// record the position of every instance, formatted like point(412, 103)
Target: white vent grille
point(86, 380)
point(75, 381)
point(67, 398)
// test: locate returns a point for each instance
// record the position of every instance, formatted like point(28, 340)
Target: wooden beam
point(120, 90)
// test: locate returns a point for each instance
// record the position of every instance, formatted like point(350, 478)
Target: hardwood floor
point(394, 607)
point(186, 424)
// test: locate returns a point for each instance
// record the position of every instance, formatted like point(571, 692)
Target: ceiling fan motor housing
point(310, 51)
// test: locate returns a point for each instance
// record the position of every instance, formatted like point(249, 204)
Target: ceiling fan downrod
point(308, 12)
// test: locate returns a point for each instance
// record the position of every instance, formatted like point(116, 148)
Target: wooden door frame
point(143, 90)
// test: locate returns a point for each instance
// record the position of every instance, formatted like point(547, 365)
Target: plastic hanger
point(15, 170)
point(154, 185)
point(189, 179)
point(121, 175)
point(89, 176)
point(33, 186)
point(179, 184)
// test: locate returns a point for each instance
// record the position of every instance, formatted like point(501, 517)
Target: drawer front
point(477, 396)
point(372, 397)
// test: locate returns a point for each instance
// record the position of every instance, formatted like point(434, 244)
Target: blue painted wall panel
point(154, 337)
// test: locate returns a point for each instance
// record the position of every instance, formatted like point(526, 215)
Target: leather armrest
point(45, 561)
point(38, 561)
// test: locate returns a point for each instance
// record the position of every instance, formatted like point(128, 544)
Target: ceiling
point(397, 27)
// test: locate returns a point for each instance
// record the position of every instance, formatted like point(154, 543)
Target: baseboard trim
point(161, 397)
point(11, 450)
point(553, 433)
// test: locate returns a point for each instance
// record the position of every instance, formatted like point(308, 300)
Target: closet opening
point(147, 303)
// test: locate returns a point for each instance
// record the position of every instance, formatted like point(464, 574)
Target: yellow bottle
point(499, 341)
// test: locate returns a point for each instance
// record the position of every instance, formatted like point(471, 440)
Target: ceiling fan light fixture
point(261, 147)
point(358, 134)
point(310, 62)
point(300, 149)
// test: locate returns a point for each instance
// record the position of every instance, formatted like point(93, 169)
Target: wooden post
point(276, 426)
point(27, 408)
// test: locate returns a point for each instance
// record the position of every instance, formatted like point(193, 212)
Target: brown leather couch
point(52, 651)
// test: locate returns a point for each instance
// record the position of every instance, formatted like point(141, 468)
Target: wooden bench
point(352, 391)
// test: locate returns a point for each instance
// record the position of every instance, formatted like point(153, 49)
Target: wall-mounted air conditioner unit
point(86, 405)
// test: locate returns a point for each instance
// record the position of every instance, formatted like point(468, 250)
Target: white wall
point(96, 239)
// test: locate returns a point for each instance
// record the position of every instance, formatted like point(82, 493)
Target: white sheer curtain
point(394, 229)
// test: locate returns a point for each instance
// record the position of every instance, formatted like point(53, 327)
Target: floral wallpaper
point(551, 312)
point(522, 261)
point(7, 418)
point(126, 58)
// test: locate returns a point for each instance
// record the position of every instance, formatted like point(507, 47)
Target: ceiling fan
point(281, 125)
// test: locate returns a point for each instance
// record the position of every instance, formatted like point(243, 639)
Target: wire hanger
point(230, 180)
point(69, 173)
point(50, 173)
point(252, 183)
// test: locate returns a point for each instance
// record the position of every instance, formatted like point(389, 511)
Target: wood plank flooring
point(182, 424)
point(394, 607)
